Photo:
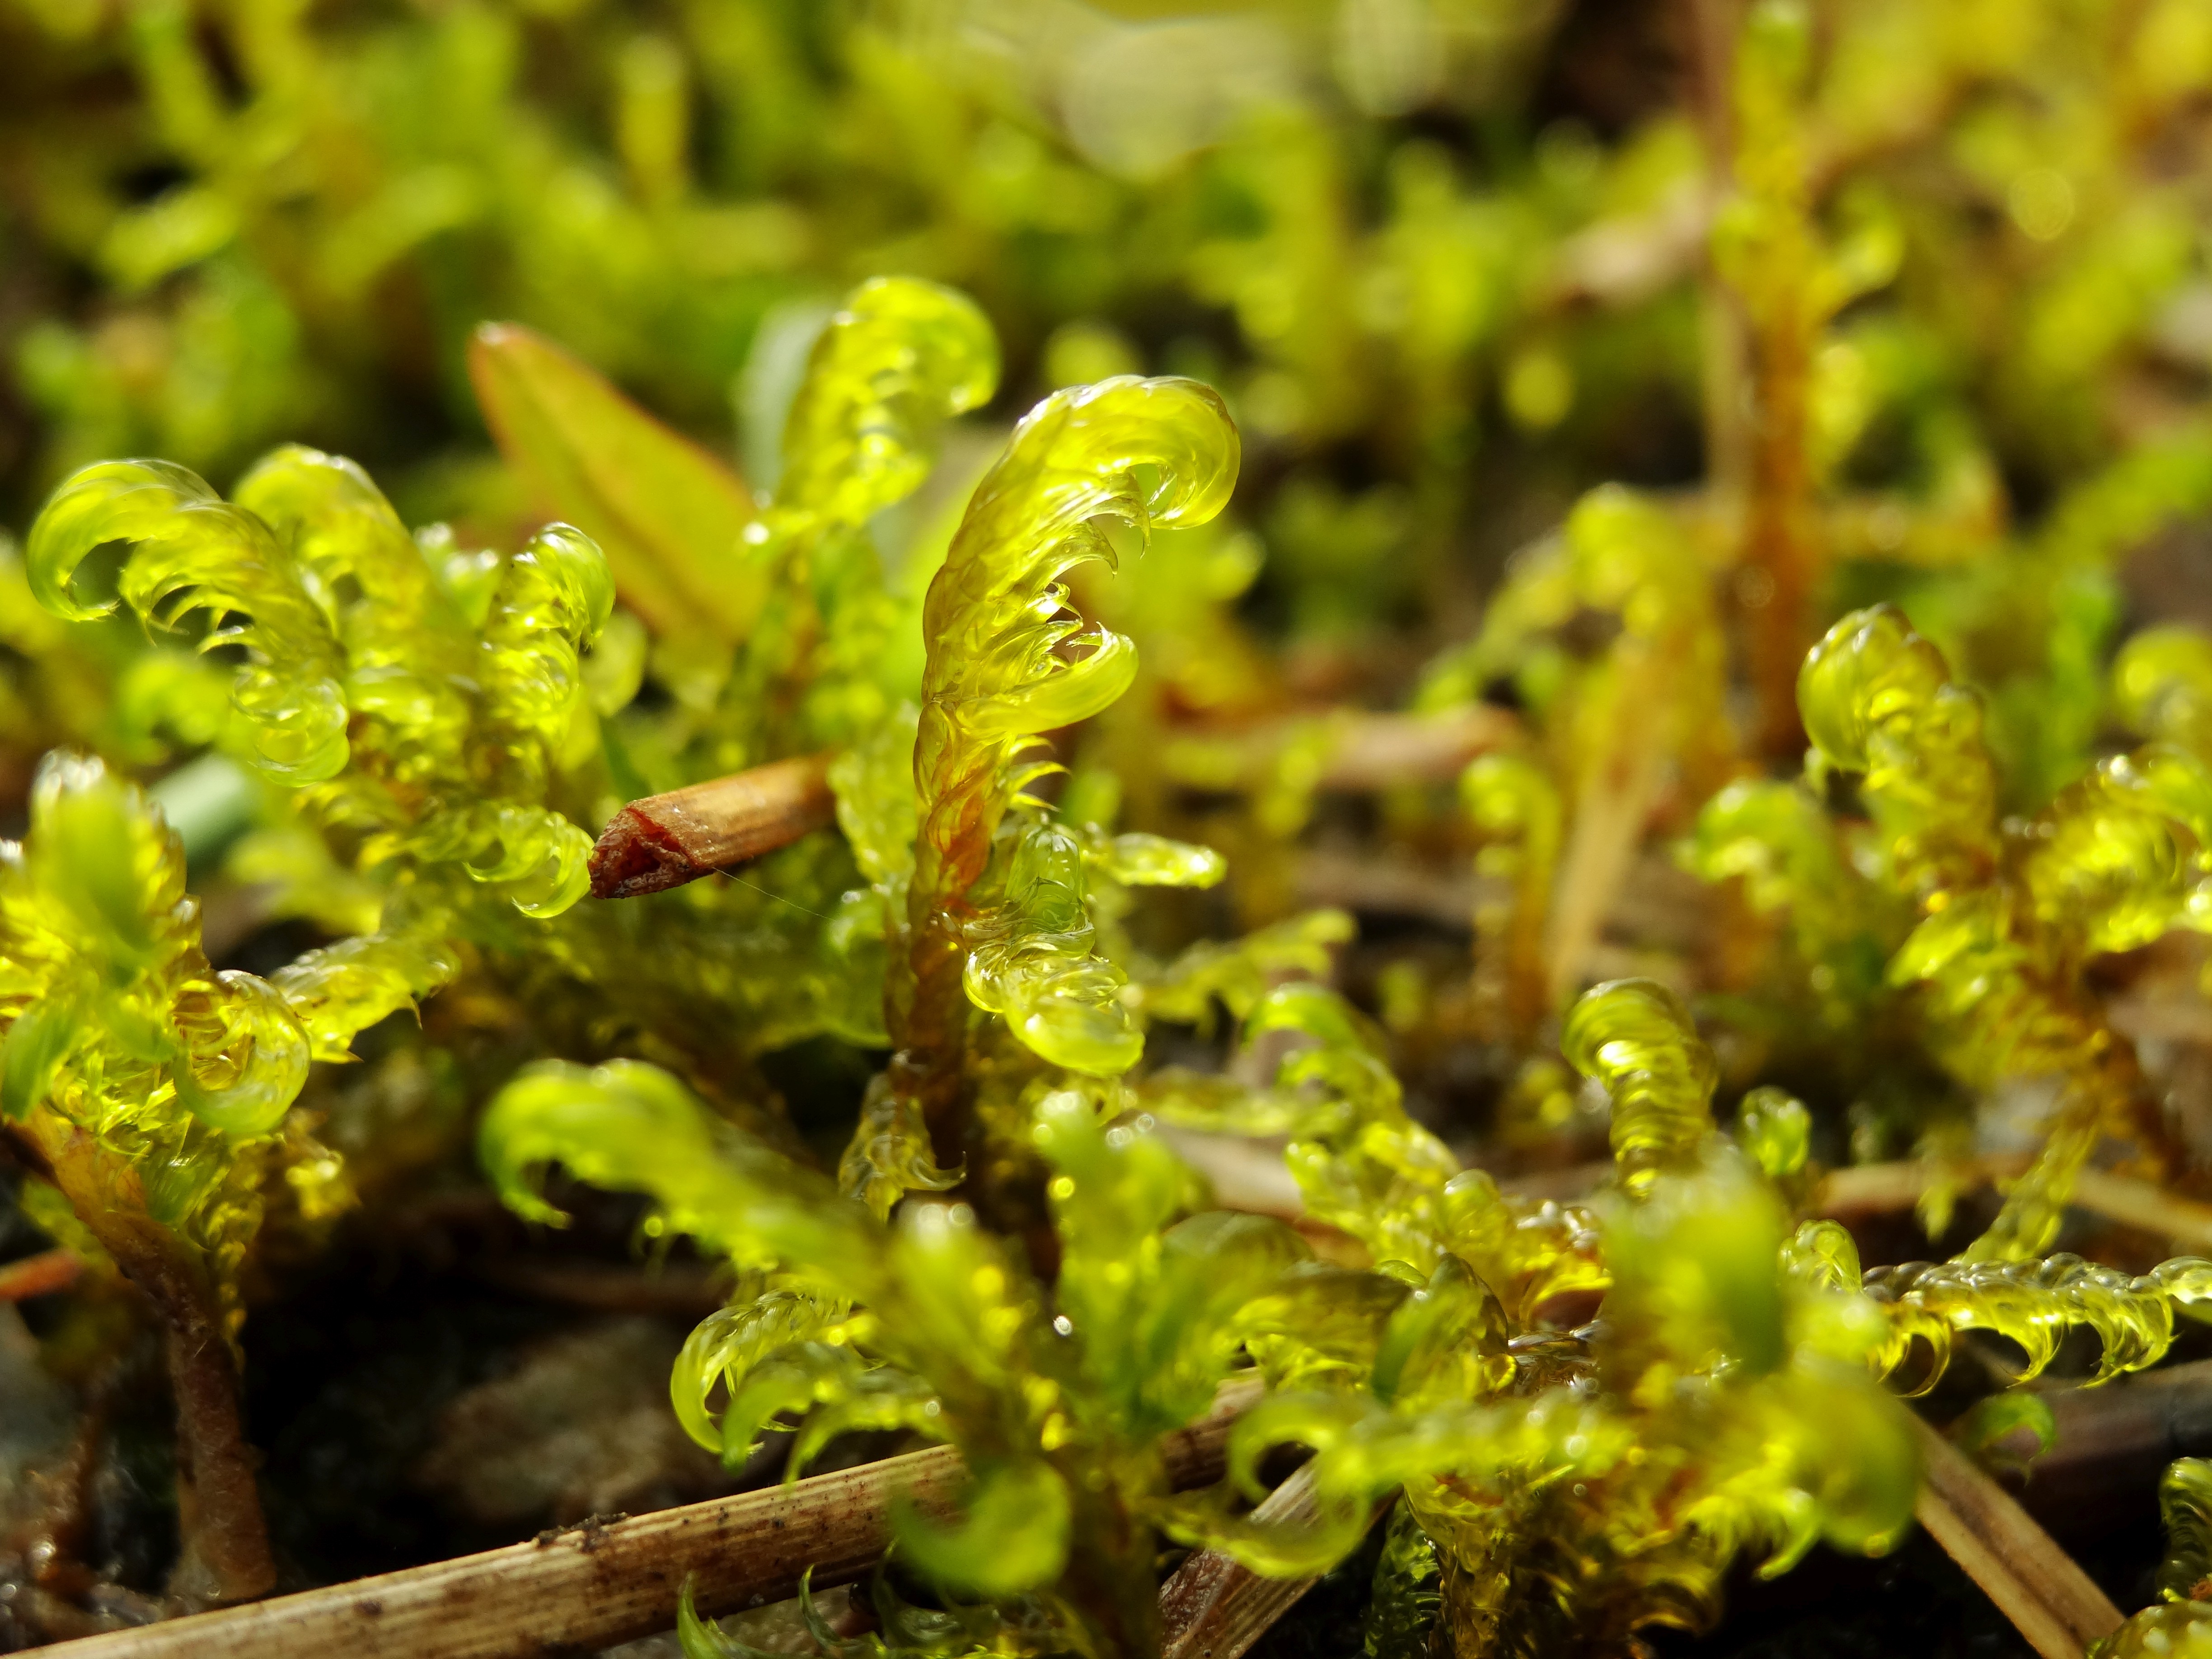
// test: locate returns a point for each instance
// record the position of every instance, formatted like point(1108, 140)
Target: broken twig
point(665, 840)
point(593, 1587)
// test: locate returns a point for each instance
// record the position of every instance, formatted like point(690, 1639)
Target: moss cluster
point(1827, 399)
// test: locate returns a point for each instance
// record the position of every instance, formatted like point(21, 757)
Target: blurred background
point(1453, 261)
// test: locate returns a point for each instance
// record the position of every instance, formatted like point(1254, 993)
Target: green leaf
point(2007, 1432)
point(34, 1046)
point(1013, 1536)
point(667, 512)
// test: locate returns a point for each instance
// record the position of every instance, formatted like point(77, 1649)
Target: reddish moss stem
point(926, 1006)
point(218, 1506)
point(226, 1539)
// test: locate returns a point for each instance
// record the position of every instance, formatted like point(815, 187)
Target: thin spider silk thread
point(778, 897)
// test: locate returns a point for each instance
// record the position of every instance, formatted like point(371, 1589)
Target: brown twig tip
point(665, 840)
point(39, 1275)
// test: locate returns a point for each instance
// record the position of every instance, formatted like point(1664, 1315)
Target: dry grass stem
point(600, 1583)
point(1871, 1188)
point(1365, 750)
point(1396, 888)
point(1212, 1609)
point(2050, 1600)
point(2144, 1204)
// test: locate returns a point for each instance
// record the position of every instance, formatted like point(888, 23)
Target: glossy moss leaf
point(1878, 700)
point(1634, 1036)
point(1002, 669)
point(1753, 1435)
point(1510, 798)
point(341, 989)
point(1697, 1259)
point(2010, 916)
point(430, 692)
point(1406, 1604)
point(1138, 859)
point(2178, 1630)
point(1362, 1450)
point(950, 1336)
point(2185, 1505)
point(1561, 822)
point(874, 785)
point(668, 514)
point(1236, 974)
point(834, 1389)
point(1446, 1342)
point(37, 1042)
point(1793, 862)
point(1032, 959)
point(728, 1343)
point(259, 1063)
point(2034, 1304)
point(100, 879)
point(2162, 686)
point(1362, 1165)
point(965, 1308)
point(556, 593)
point(889, 1154)
point(189, 550)
point(1157, 1308)
point(151, 1087)
point(834, 652)
point(1760, 1445)
point(338, 526)
point(1516, 808)
point(895, 362)
point(2179, 1625)
point(2117, 855)
point(1526, 1252)
point(631, 1128)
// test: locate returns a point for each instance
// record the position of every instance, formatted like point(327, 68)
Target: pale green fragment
point(2007, 1432)
point(1775, 1128)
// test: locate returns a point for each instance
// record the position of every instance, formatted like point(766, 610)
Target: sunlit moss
point(1908, 273)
